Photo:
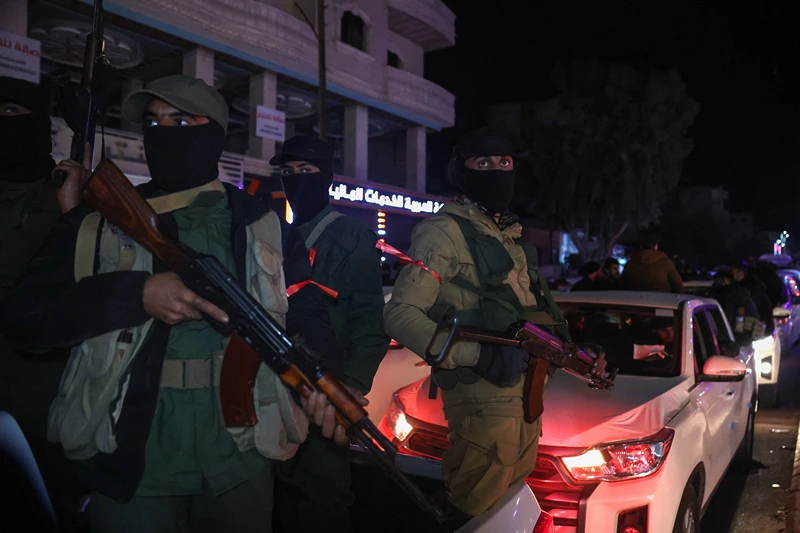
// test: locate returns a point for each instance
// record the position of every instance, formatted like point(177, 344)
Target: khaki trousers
point(488, 454)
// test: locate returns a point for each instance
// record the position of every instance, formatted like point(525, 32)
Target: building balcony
point(414, 92)
point(275, 40)
point(429, 23)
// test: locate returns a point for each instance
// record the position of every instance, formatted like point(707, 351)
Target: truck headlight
point(765, 367)
point(619, 461)
point(396, 420)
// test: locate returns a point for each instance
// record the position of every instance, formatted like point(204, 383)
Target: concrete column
point(130, 85)
point(199, 63)
point(14, 17)
point(291, 129)
point(263, 91)
point(415, 158)
point(356, 142)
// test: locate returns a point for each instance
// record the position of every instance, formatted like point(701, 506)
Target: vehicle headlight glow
point(621, 460)
point(765, 344)
point(396, 420)
point(765, 367)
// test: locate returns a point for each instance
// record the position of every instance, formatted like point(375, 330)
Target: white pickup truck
point(644, 457)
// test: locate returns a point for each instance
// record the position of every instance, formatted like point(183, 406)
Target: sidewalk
point(793, 512)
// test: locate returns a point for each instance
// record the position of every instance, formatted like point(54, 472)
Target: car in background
point(646, 455)
point(702, 288)
point(791, 323)
point(767, 350)
point(782, 261)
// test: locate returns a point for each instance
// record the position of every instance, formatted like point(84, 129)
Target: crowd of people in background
point(747, 292)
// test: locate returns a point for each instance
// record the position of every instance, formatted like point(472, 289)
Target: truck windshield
point(640, 341)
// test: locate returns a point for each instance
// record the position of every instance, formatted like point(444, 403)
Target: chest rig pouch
point(498, 306)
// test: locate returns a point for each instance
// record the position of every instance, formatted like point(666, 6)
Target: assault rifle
point(81, 107)
point(545, 349)
point(256, 336)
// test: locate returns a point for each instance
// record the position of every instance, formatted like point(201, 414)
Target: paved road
point(756, 503)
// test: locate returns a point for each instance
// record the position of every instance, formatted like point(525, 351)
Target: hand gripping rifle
point(256, 336)
point(545, 349)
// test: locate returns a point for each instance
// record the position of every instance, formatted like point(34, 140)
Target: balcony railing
point(415, 92)
point(276, 40)
point(428, 23)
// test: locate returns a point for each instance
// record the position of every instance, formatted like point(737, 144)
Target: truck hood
point(577, 416)
point(636, 407)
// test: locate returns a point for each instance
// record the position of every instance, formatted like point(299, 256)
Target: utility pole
point(319, 33)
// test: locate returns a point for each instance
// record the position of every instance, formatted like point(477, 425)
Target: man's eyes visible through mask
point(286, 172)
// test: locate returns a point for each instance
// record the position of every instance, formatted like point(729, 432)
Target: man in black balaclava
point(28, 199)
point(475, 267)
point(29, 209)
point(315, 485)
point(171, 459)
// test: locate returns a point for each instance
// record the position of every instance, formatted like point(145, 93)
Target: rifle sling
point(324, 223)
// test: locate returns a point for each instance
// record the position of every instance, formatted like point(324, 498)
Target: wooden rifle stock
point(116, 199)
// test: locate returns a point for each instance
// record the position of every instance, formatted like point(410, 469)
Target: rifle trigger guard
point(435, 359)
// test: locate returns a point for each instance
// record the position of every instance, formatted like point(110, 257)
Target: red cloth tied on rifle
point(290, 290)
point(404, 259)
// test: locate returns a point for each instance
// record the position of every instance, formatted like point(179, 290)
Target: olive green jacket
point(347, 261)
point(439, 243)
point(28, 211)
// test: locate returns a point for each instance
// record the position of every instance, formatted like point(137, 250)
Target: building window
point(393, 60)
point(353, 31)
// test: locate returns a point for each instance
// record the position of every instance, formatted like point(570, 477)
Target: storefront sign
point(355, 194)
point(20, 57)
point(270, 124)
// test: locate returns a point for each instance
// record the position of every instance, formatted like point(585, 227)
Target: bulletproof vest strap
point(469, 232)
point(181, 199)
point(317, 231)
point(85, 246)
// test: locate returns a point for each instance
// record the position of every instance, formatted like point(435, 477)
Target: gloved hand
point(502, 365)
point(595, 350)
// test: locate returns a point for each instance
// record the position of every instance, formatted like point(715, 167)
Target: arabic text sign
point(271, 124)
point(20, 57)
point(341, 191)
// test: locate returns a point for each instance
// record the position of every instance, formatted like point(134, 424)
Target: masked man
point(30, 205)
point(315, 485)
point(477, 269)
point(138, 401)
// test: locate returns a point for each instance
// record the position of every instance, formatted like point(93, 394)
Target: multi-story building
point(380, 107)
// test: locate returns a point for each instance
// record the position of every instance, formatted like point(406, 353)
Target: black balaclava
point(183, 157)
point(25, 142)
point(492, 189)
point(307, 193)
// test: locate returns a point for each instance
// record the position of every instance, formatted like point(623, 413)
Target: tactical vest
point(93, 387)
point(499, 307)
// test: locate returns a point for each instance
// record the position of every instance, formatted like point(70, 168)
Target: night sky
point(740, 61)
